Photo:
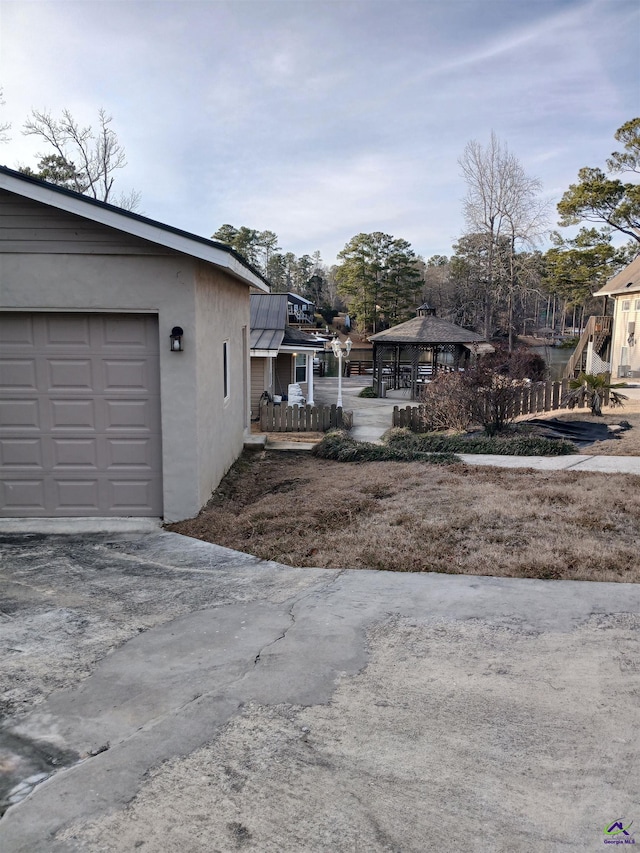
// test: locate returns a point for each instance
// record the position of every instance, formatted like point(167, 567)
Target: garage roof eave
point(218, 254)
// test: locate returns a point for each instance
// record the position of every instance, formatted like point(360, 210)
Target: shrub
point(448, 402)
point(367, 392)
point(589, 389)
point(520, 363)
point(339, 446)
point(479, 395)
point(517, 445)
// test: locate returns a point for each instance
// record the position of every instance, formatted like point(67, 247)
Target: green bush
point(339, 446)
point(367, 392)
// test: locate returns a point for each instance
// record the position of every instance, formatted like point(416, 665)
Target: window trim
point(302, 367)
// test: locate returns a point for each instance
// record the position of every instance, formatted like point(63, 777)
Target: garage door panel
point(127, 415)
point(131, 496)
point(72, 415)
point(19, 414)
point(21, 453)
point(120, 375)
point(74, 453)
point(67, 375)
point(132, 331)
point(80, 415)
point(79, 496)
point(134, 454)
point(23, 496)
point(18, 374)
point(17, 330)
point(68, 331)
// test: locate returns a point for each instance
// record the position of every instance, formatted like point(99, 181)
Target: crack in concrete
point(316, 590)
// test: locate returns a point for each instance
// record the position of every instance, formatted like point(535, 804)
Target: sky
point(320, 120)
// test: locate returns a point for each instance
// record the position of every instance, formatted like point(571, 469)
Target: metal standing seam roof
point(269, 326)
point(626, 281)
point(426, 330)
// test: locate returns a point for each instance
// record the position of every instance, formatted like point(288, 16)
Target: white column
point(310, 356)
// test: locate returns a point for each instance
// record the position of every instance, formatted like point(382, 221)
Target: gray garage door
point(79, 415)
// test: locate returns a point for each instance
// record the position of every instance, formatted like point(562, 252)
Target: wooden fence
point(534, 398)
point(283, 418)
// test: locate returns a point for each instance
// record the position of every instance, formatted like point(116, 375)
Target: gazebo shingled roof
point(409, 354)
point(427, 330)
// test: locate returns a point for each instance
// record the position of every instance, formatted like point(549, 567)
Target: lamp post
point(339, 352)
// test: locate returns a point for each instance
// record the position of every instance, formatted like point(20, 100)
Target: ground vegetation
point(301, 510)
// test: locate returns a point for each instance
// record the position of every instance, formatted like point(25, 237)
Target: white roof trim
point(301, 348)
point(142, 228)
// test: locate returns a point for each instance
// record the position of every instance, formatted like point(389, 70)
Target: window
point(301, 367)
point(225, 368)
point(637, 305)
point(626, 304)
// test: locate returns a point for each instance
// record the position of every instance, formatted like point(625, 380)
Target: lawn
point(411, 517)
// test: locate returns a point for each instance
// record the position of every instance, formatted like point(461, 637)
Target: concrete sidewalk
point(280, 710)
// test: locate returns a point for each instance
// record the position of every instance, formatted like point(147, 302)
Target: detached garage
point(102, 412)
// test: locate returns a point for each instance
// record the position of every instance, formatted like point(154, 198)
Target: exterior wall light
point(176, 339)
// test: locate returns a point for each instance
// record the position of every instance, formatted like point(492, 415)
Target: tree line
point(496, 281)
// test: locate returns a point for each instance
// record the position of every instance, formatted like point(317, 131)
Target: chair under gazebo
point(411, 354)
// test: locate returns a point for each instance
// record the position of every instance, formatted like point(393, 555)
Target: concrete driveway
point(163, 694)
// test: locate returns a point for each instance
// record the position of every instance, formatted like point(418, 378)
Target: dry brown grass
point(303, 511)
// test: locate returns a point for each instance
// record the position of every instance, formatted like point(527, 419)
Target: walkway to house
point(372, 418)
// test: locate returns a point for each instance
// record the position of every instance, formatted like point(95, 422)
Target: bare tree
point(502, 201)
point(91, 156)
point(5, 126)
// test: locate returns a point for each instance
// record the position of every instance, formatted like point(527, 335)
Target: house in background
point(301, 312)
point(101, 412)
point(624, 289)
point(280, 353)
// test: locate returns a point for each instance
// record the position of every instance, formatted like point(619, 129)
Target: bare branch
point(5, 126)
point(91, 156)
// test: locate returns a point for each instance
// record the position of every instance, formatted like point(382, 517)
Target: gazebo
point(410, 354)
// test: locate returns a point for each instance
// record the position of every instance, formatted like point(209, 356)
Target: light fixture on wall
point(176, 339)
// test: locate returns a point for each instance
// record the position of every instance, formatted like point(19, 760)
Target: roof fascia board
point(302, 348)
point(144, 229)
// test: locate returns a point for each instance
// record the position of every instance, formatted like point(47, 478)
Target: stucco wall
point(222, 314)
point(191, 417)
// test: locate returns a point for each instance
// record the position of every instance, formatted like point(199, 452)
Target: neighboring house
point(280, 354)
point(101, 413)
point(301, 311)
point(624, 289)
